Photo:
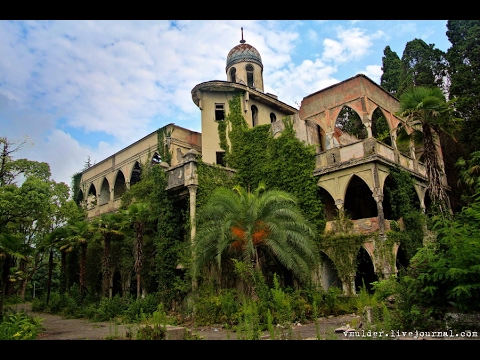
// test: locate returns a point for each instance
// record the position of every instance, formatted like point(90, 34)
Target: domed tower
point(244, 66)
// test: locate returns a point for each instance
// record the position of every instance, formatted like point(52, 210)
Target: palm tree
point(137, 215)
point(425, 110)
point(109, 226)
point(80, 233)
point(469, 174)
point(254, 226)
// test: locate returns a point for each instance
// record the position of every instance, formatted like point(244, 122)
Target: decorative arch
point(92, 190)
point(136, 173)
point(273, 117)
point(120, 186)
point(156, 159)
point(233, 74)
point(380, 127)
point(254, 115)
point(329, 276)
point(359, 202)
point(365, 270)
point(329, 207)
point(349, 125)
point(104, 192)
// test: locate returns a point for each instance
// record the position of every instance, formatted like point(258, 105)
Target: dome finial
point(242, 41)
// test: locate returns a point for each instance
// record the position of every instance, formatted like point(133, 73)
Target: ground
point(328, 328)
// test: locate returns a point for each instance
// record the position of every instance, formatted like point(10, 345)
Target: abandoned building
point(352, 168)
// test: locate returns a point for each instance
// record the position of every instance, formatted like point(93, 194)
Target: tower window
point(254, 116)
point(249, 69)
point(273, 117)
point(233, 72)
point(219, 112)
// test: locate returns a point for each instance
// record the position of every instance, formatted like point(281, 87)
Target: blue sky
point(74, 89)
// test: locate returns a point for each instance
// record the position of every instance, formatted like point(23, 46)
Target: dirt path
point(58, 328)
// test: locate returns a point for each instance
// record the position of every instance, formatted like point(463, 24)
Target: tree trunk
point(83, 270)
point(106, 269)
point(50, 272)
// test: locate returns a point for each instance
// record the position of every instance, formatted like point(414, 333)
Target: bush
point(19, 326)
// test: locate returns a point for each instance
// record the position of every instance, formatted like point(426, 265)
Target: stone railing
point(363, 151)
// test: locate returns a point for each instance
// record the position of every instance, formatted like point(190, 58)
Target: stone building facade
point(352, 169)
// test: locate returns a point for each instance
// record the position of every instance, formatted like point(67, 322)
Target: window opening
point(273, 117)
point(219, 112)
point(254, 116)
point(249, 69)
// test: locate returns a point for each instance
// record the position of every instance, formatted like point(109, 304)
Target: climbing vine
point(284, 162)
point(409, 231)
point(342, 245)
point(162, 148)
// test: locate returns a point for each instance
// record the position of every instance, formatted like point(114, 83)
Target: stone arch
point(349, 126)
point(104, 192)
point(329, 276)
point(273, 117)
point(156, 159)
point(120, 186)
point(365, 270)
point(254, 116)
point(380, 127)
point(401, 261)
point(329, 207)
point(136, 174)
point(91, 197)
point(359, 202)
point(232, 73)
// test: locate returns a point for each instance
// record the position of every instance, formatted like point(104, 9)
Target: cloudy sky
point(74, 89)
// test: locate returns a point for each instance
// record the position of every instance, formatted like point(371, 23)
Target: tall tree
point(464, 70)
point(423, 65)
point(254, 226)
point(80, 233)
point(109, 226)
point(137, 214)
point(392, 70)
point(425, 109)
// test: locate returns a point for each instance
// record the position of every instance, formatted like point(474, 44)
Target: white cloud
point(353, 44)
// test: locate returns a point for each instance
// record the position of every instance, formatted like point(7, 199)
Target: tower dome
point(243, 52)
point(244, 66)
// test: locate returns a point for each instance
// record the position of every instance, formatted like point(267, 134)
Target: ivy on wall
point(401, 194)
point(284, 163)
point(162, 148)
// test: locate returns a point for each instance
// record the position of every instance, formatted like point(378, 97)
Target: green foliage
point(348, 121)
point(19, 326)
point(155, 326)
point(422, 65)
point(249, 326)
point(464, 67)
point(162, 147)
point(392, 69)
point(342, 248)
point(254, 227)
point(77, 194)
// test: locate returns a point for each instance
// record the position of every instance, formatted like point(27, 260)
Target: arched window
point(254, 116)
point(273, 117)
point(249, 69)
point(233, 72)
